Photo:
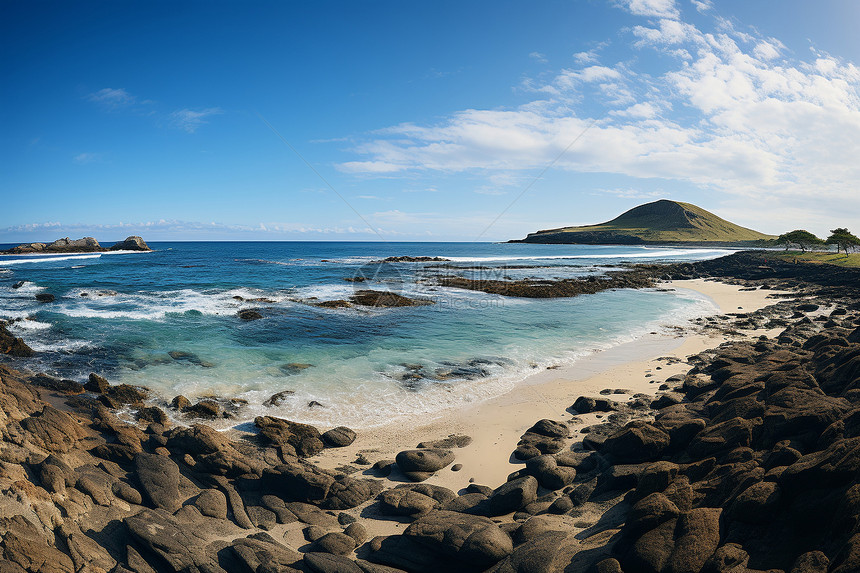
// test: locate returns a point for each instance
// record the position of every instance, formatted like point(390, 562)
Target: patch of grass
point(840, 259)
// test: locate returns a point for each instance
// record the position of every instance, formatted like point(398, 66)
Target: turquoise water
point(123, 314)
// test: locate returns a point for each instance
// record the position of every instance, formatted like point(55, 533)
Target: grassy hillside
point(838, 259)
point(658, 222)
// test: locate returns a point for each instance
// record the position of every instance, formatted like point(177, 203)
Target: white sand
point(497, 424)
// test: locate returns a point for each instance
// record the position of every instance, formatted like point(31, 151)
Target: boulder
point(212, 503)
point(329, 563)
point(305, 439)
point(469, 539)
point(260, 552)
point(159, 478)
point(335, 543)
point(416, 499)
point(586, 405)
point(512, 496)
point(418, 465)
point(637, 442)
point(338, 437)
point(182, 547)
point(212, 451)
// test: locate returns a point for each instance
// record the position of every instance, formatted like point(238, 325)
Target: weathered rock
point(180, 546)
point(512, 496)
point(96, 383)
point(548, 473)
point(430, 460)
point(586, 405)
point(45, 297)
point(413, 499)
point(347, 492)
point(335, 543)
point(328, 563)
point(637, 442)
point(338, 437)
point(206, 409)
point(407, 554)
point(550, 428)
point(53, 430)
point(212, 503)
point(132, 243)
point(159, 478)
point(357, 531)
point(212, 451)
point(305, 439)
point(648, 513)
point(299, 482)
point(466, 538)
point(260, 552)
point(29, 549)
point(12, 345)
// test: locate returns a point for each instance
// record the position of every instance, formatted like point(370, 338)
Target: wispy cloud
point(538, 57)
point(190, 120)
point(84, 158)
point(112, 98)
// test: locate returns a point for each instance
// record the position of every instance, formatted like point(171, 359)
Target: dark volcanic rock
point(249, 314)
point(385, 299)
point(45, 297)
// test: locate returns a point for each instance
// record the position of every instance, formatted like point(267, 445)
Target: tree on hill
point(843, 239)
point(801, 238)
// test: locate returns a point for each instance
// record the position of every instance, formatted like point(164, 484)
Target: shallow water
point(124, 314)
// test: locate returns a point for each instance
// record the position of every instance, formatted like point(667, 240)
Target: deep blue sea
point(168, 320)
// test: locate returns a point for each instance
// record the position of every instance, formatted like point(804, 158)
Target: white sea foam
point(29, 325)
point(35, 258)
point(159, 305)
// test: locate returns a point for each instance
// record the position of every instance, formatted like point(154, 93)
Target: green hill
point(658, 222)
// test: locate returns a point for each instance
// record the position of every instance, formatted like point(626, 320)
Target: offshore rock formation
point(85, 245)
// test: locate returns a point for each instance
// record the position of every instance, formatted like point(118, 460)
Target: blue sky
point(422, 120)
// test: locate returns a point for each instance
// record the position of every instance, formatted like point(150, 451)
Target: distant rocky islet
point(84, 245)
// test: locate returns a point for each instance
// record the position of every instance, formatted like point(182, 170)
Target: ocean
point(168, 320)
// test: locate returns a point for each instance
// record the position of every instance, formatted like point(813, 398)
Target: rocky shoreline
point(748, 462)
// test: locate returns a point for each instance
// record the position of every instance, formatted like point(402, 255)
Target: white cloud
point(112, 97)
point(189, 120)
point(702, 5)
point(729, 113)
point(537, 56)
point(653, 8)
point(83, 158)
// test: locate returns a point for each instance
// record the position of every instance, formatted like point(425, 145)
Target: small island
point(84, 245)
point(661, 222)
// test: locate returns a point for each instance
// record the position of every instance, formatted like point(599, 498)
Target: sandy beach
point(495, 425)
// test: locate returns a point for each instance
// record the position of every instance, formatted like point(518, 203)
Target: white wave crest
point(48, 259)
